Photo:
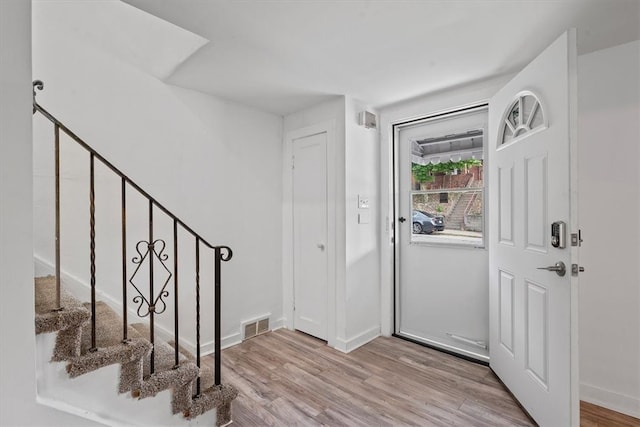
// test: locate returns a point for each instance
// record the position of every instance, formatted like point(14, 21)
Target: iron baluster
point(123, 192)
point(216, 320)
point(152, 306)
point(198, 313)
point(57, 214)
point(92, 226)
point(222, 253)
point(175, 292)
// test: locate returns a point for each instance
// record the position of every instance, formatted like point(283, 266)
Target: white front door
point(533, 319)
point(310, 234)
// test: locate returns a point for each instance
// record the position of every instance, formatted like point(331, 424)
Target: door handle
point(402, 219)
point(559, 268)
point(320, 246)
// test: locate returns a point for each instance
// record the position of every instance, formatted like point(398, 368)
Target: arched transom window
point(524, 115)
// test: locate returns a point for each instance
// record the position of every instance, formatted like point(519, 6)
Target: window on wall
point(447, 180)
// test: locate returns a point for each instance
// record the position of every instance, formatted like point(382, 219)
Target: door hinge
point(576, 238)
point(293, 162)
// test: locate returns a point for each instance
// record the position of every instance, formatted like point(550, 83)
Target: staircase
point(92, 336)
point(455, 220)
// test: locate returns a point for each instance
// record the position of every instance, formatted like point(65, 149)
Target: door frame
point(396, 128)
point(288, 293)
point(446, 100)
point(435, 106)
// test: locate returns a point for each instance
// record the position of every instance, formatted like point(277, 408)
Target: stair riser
point(95, 395)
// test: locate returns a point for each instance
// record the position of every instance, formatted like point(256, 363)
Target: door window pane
point(447, 202)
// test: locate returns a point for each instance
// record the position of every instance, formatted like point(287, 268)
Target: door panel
point(506, 318)
point(505, 204)
point(536, 354)
point(532, 326)
point(310, 234)
point(536, 203)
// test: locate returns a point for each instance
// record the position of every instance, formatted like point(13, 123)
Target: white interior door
point(310, 234)
point(533, 319)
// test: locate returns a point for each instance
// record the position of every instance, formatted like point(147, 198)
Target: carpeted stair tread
point(108, 328)
point(211, 396)
point(207, 379)
point(47, 318)
point(45, 296)
point(216, 397)
point(110, 349)
point(166, 374)
point(164, 353)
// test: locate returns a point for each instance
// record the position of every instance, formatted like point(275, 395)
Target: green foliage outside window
point(425, 173)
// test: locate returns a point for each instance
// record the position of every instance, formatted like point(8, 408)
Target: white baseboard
point(226, 342)
point(359, 340)
point(624, 404)
point(278, 324)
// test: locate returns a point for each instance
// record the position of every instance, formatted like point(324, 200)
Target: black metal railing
point(150, 251)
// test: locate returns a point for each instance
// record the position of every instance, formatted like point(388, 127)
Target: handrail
point(152, 303)
point(55, 121)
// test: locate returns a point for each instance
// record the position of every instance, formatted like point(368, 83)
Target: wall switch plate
point(363, 202)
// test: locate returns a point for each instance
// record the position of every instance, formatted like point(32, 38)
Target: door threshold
point(441, 349)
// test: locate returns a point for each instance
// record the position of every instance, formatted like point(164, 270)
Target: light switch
point(363, 202)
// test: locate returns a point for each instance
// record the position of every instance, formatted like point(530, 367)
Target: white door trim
point(327, 127)
point(453, 99)
point(465, 117)
point(389, 200)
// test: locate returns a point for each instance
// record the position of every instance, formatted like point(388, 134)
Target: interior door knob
point(402, 219)
point(320, 246)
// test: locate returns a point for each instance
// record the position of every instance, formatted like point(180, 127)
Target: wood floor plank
point(596, 416)
point(287, 378)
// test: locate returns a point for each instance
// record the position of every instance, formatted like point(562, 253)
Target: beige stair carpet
point(73, 345)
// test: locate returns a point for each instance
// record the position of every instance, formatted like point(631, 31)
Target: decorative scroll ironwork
point(153, 303)
point(37, 84)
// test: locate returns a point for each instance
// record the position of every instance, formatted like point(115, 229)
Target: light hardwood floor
point(595, 416)
point(287, 378)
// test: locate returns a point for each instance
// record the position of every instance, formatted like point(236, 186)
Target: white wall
point(442, 257)
point(215, 164)
point(609, 209)
point(362, 293)
point(17, 353)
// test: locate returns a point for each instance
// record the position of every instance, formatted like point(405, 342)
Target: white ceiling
point(281, 56)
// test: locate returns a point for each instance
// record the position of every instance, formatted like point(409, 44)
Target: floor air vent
point(256, 327)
